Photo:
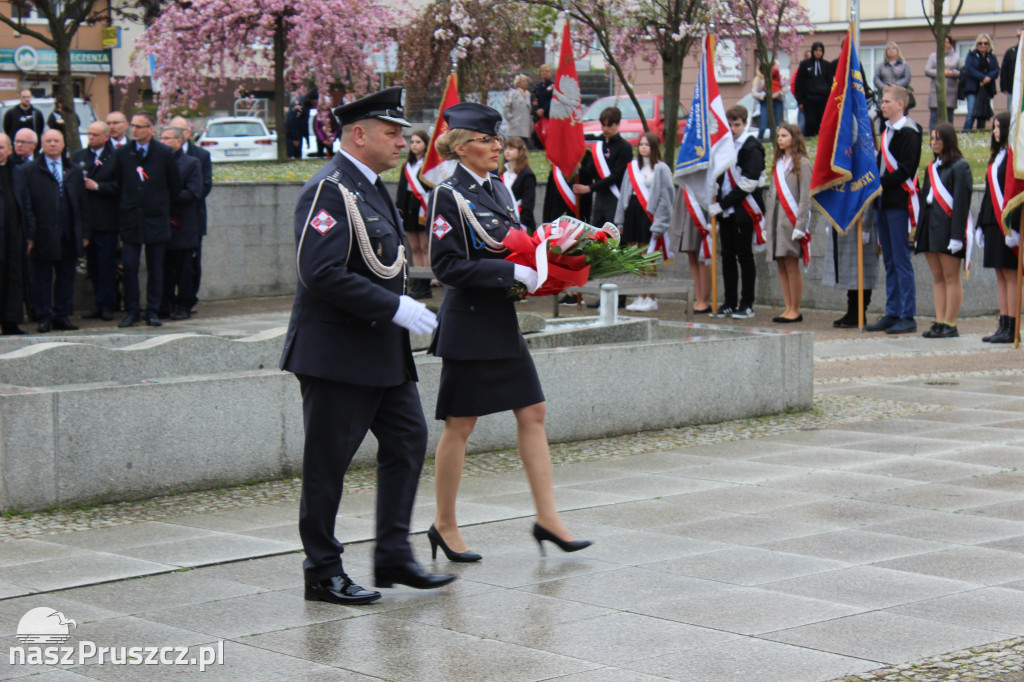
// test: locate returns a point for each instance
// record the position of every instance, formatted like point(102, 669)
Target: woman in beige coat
point(787, 213)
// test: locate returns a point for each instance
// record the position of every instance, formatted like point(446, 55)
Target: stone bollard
point(609, 309)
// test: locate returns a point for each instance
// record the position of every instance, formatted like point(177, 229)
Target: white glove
point(979, 237)
point(1012, 239)
point(798, 235)
point(528, 276)
point(955, 245)
point(414, 316)
point(715, 209)
point(865, 236)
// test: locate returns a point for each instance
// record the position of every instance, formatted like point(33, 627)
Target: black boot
point(1002, 325)
point(849, 320)
point(1006, 335)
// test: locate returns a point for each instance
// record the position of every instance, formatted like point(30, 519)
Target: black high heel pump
point(436, 540)
point(540, 534)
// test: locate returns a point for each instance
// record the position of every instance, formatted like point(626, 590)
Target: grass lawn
point(975, 147)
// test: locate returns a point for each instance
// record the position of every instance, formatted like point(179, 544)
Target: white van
point(86, 114)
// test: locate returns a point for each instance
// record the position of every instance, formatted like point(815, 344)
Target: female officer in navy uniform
point(487, 367)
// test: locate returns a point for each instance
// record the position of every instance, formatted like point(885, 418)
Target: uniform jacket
point(44, 195)
point(931, 70)
point(145, 208)
point(936, 228)
point(185, 206)
point(750, 162)
point(775, 217)
point(618, 153)
point(477, 319)
point(906, 149)
point(340, 327)
point(101, 203)
point(660, 203)
point(206, 170)
point(524, 190)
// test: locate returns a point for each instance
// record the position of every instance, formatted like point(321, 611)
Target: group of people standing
point(114, 201)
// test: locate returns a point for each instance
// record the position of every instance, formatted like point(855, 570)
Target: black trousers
point(178, 280)
point(603, 210)
point(337, 417)
point(131, 259)
point(53, 284)
point(101, 255)
point(737, 260)
point(813, 112)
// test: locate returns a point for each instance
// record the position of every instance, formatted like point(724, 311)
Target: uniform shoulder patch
point(440, 227)
point(323, 222)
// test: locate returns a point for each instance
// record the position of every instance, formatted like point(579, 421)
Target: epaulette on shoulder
point(334, 177)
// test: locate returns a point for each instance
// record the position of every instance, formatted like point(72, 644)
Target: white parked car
point(238, 138)
point(84, 110)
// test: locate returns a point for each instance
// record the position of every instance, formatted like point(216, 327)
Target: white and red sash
point(995, 189)
point(565, 189)
point(700, 222)
point(749, 205)
point(519, 202)
point(790, 205)
point(944, 199)
point(643, 194)
point(909, 185)
point(601, 163)
point(416, 188)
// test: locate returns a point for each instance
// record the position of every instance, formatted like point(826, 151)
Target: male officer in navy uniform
point(348, 345)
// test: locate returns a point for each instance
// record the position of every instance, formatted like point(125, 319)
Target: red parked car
point(630, 127)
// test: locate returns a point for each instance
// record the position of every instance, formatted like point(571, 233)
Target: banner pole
point(1020, 279)
point(714, 265)
point(860, 273)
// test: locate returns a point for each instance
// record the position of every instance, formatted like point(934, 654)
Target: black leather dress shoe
point(180, 315)
point(129, 320)
point(153, 321)
point(64, 326)
point(94, 315)
point(883, 324)
point(340, 590)
point(411, 574)
point(44, 327)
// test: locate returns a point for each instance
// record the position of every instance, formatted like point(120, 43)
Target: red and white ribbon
point(782, 191)
point(995, 189)
point(601, 163)
point(565, 189)
point(909, 185)
point(945, 201)
point(700, 222)
point(416, 188)
point(749, 205)
point(639, 188)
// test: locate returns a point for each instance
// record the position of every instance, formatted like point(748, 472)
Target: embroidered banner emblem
point(323, 222)
point(441, 227)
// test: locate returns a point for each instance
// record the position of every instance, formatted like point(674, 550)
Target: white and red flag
point(565, 146)
point(435, 169)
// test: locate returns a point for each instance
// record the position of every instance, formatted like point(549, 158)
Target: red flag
point(435, 169)
point(564, 145)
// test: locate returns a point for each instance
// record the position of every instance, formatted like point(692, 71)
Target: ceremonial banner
point(435, 169)
point(1013, 195)
point(564, 145)
point(707, 149)
point(845, 178)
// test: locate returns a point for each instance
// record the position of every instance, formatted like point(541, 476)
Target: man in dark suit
point(101, 219)
point(1009, 69)
point(178, 292)
point(56, 190)
point(348, 345)
point(148, 178)
point(25, 143)
point(15, 219)
point(206, 170)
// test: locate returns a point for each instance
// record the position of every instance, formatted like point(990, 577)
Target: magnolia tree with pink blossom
point(768, 27)
point(489, 38)
point(199, 44)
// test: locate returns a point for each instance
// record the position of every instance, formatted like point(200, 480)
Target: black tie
point(490, 190)
point(383, 191)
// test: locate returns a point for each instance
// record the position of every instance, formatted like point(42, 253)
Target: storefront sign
point(28, 59)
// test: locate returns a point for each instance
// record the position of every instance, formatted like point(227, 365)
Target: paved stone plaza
point(881, 529)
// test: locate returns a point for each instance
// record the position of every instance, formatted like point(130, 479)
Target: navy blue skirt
point(473, 388)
